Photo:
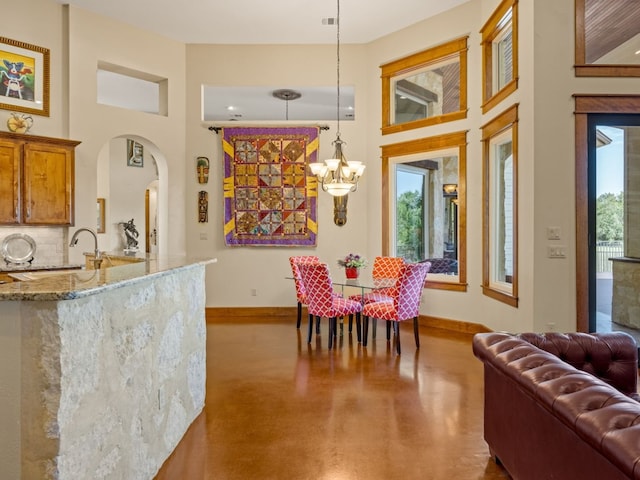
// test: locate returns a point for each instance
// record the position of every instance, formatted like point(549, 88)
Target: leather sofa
point(561, 406)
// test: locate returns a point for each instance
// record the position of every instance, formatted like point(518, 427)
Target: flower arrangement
point(353, 260)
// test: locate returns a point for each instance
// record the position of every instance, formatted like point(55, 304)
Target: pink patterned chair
point(321, 301)
point(301, 294)
point(404, 303)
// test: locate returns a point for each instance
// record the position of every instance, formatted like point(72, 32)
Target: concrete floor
point(277, 408)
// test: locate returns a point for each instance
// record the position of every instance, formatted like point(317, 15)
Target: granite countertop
point(28, 267)
point(81, 283)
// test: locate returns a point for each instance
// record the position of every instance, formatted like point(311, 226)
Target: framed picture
point(24, 77)
point(100, 216)
point(134, 154)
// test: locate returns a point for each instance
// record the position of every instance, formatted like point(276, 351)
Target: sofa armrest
point(612, 356)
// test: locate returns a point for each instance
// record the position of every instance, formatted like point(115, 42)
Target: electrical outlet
point(203, 235)
point(551, 327)
point(254, 292)
point(556, 251)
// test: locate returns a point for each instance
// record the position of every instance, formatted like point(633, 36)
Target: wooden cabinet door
point(10, 156)
point(47, 184)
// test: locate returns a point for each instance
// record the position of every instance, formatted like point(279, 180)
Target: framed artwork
point(270, 195)
point(135, 154)
point(24, 77)
point(100, 216)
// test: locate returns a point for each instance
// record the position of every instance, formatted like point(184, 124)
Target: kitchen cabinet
point(36, 180)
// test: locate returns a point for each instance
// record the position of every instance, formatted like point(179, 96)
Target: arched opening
point(132, 180)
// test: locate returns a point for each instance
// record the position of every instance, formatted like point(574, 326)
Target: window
point(500, 54)
point(607, 39)
point(426, 88)
point(500, 245)
point(424, 207)
point(125, 88)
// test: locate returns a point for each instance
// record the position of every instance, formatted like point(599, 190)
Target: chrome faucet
point(97, 259)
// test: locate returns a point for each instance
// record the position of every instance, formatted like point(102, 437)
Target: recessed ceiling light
point(231, 108)
point(638, 52)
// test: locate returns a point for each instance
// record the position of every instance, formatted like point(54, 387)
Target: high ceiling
point(267, 21)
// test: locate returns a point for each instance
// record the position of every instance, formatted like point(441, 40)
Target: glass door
point(614, 191)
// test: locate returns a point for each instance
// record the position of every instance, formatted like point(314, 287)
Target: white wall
point(241, 269)
point(92, 40)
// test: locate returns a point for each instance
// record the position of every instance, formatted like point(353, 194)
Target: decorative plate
point(18, 248)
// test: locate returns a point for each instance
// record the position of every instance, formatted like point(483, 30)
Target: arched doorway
point(132, 180)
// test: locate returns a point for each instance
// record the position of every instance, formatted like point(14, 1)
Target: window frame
point(455, 140)
point(491, 30)
point(495, 129)
point(583, 69)
point(403, 66)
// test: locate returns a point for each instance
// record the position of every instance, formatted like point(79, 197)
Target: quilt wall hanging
point(270, 197)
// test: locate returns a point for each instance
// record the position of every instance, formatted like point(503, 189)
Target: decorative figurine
point(203, 169)
point(131, 236)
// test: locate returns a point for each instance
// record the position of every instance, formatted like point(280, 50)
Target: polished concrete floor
point(278, 408)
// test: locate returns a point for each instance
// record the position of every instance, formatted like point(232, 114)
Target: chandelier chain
point(338, 68)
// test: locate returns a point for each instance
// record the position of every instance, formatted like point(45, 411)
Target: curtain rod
point(217, 129)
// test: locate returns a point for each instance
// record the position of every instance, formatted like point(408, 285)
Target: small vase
point(351, 272)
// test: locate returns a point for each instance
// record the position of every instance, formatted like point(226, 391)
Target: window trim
point(425, 145)
point(507, 120)
point(583, 69)
point(417, 61)
point(490, 31)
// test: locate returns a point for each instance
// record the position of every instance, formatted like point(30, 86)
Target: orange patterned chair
point(404, 303)
point(383, 267)
point(321, 301)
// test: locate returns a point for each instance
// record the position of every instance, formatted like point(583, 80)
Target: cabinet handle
point(29, 211)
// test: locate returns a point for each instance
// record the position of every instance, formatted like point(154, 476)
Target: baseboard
point(252, 314)
point(288, 314)
point(452, 325)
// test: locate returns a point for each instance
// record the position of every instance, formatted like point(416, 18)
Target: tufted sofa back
point(612, 357)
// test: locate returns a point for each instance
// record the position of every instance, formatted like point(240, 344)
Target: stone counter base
point(109, 382)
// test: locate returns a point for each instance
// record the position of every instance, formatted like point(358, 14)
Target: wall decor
point(270, 196)
point(135, 154)
point(202, 168)
point(19, 122)
point(24, 77)
point(100, 216)
point(203, 207)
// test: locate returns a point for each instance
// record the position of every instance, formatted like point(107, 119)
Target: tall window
point(500, 54)
point(424, 211)
point(500, 280)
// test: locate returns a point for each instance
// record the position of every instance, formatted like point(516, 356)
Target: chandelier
point(337, 176)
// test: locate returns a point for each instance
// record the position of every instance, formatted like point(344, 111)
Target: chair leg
point(365, 329)
point(415, 331)
point(396, 329)
point(373, 329)
point(350, 322)
point(331, 332)
point(317, 325)
point(359, 327)
point(299, 315)
point(388, 330)
point(310, 328)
